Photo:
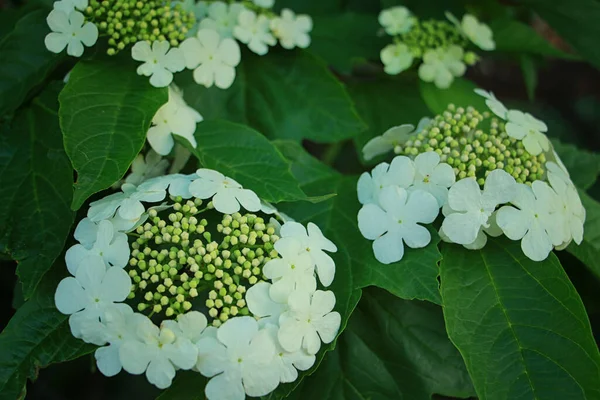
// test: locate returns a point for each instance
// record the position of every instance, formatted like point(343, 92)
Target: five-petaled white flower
point(396, 20)
point(110, 246)
point(262, 306)
point(432, 176)
point(289, 363)
point(212, 58)
point(395, 136)
point(401, 173)
point(567, 205)
point(86, 296)
point(473, 207)
point(145, 167)
point(118, 327)
point(477, 32)
point(159, 62)
point(309, 320)
point(532, 221)
point(293, 271)
point(291, 30)
point(191, 326)
point(396, 58)
point(228, 194)
point(128, 202)
point(67, 6)
point(525, 127)
point(395, 222)
point(157, 352)
point(71, 31)
point(173, 118)
point(493, 103)
point(239, 360)
point(440, 66)
point(313, 243)
point(222, 18)
point(254, 31)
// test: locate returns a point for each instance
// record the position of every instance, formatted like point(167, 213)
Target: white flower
point(391, 138)
point(128, 202)
point(173, 118)
point(212, 58)
point(264, 3)
point(222, 18)
point(524, 126)
point(190, 325)
point(309, 321)
point(432, 176)
point(228, 194)
point(86, 296)
point(67, 6)
point(440, 66)
point(143, 168)
point(477, 32)
point(474, 207)
point(313, 243)
point(396, 20)
point(157, 352)
point(70, 31)
point(178, 185)
point(159, 62)
point(401, 173)
point(254, 31)
point(569, 207)
point(262, 306)
point(531, 221)
point(396, 58)
point(293, 271)
point(118, 328)
point(292, 30)
point(493, 103)
point(110, 246)
point(288, 363)
point(239, 360)
point(396, 220)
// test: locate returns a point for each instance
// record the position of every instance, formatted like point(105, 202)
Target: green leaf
point(520, 325)
point(386, 103)
point(187, 385)
point(574, 20)
point(24, 60)
point(36, 181)
point(583, 165)
point(289, 95)
point(587, 252)
point(461, 94)
point(36, 336)
point(391, 349)
point(246, 156)
point(513, 36)
point(530, 75)
point(105, 112)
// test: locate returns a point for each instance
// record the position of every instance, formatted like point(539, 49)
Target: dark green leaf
point(36, 188)
point(287, 95)
point(105, 112)
point(587, 252)
point(530, 75)
point(188, 385)
point(520, 325)
point(461, 94)
point(391, 349)
point(24, 60)
point(583, 165)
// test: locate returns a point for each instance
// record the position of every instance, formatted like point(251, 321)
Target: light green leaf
point(105, 112)
point(36, 336)
point(290, 95)
point(461, 94)
point(36, 189)
point(391, 349)
point(520, 325)
point(583, 165)
point(587, 252)
point(246, 156)
point(24, 60)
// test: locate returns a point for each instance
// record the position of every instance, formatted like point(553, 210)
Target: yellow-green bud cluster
point(178, 263)
point(431, 34)
point(127, 22)
point(457, 136)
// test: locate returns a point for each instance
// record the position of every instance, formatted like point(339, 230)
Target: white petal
point(212, 356)
point(225, 201)
point(107, 360)
point(388, 248)
point(536, 244)
point(499, 188)
point(183, 354)
point(225, 387)
point(70, 296)
point(248, 199)
point(237, 331)
point(514, 223)
point(56, 42)
point(325, 267)
point(328, 326)
point(131, 209)
point(462, 228)
point(91, 274)
point(86, 232)
point(422, 207)
point(372, 221)
point(416, 236)
point(260, 303)
point(464, 195)
point(135, 357)
point(76, 256)
point(160, 372)
point(318, 239)
point(116, 285)
point(401, 172)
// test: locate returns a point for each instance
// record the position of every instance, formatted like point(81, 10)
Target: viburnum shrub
point(299, 199)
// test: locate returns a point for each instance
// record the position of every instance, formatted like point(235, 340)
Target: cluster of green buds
point(179, 263)
point(431, 34)
point(130, 21)
point(458, 136)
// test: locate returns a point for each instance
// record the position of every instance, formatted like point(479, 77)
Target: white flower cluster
point(69, 28)
point(544, 214)
point(439, 44)
point(288, 319)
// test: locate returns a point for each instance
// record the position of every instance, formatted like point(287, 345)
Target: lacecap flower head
point(196, 272)
point(491, 172)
